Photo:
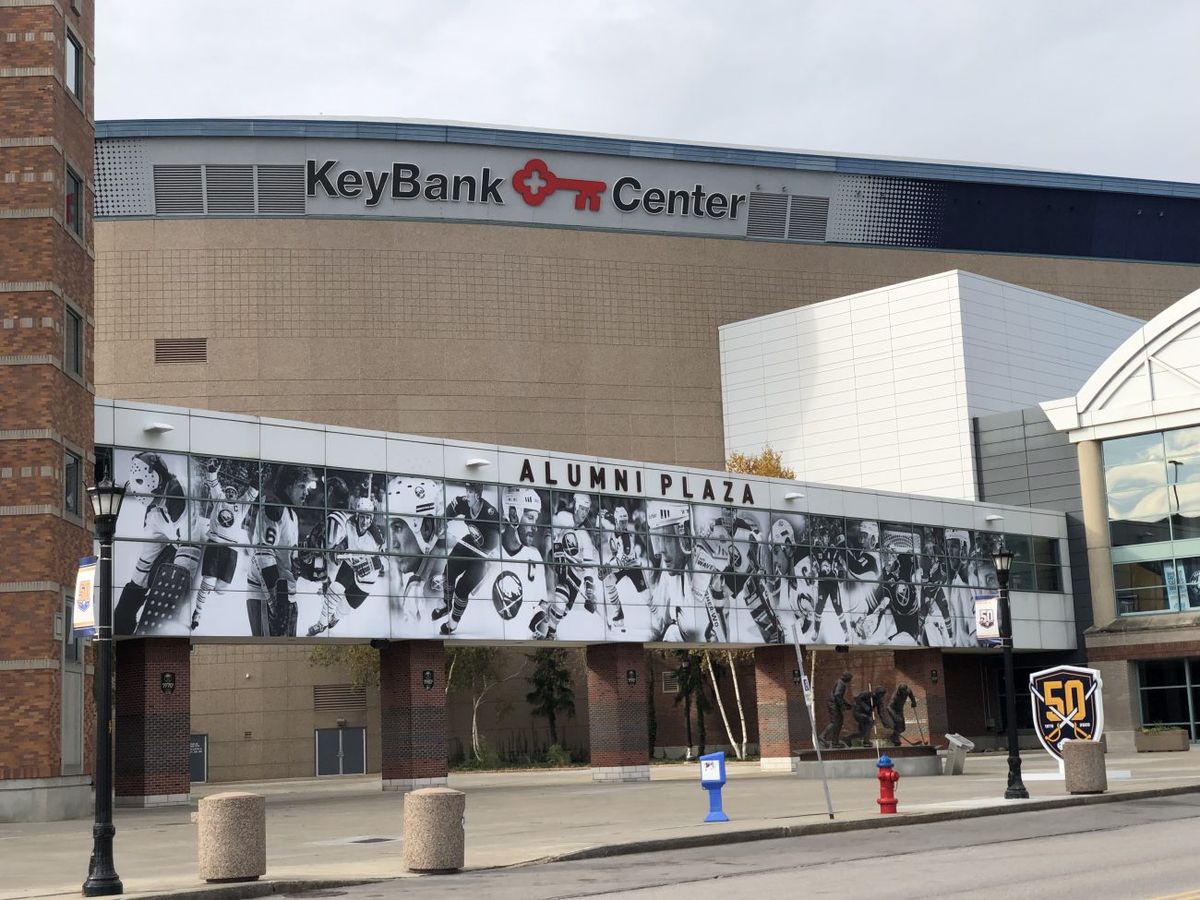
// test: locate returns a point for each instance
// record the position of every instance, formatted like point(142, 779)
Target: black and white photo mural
point(234, 548)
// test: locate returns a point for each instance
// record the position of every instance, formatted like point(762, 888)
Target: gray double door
point(341, 751)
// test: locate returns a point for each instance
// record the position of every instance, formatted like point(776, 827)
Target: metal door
point(329, 751)
point(354, 751)
point(198, 758)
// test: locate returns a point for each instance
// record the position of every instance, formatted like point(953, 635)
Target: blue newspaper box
point(712, 779)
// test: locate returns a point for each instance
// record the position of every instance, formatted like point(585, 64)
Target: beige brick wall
point(571, 340)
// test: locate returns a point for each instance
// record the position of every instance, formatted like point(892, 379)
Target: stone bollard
point(1083, 765)
point(233, 837)
point(434, 838)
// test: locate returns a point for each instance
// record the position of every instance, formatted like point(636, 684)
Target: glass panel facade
point(1153, 497)
point(1170, 693)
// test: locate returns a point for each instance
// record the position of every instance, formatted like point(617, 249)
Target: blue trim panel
point(638, 149)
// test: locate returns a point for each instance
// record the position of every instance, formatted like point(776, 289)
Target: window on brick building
point(74, 66)
point(73, 214)
point(72, 646)
point(72, 482)
point(73, 337)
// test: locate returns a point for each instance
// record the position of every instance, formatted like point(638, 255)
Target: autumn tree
point(362, 661)
point(768, 463)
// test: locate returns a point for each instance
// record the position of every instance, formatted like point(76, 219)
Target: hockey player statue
point(837, 706)
point(895, 712)
point(867, 704)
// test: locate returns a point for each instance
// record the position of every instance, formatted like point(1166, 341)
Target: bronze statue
point(895, 712)
point(867, 705)
point(837, 706)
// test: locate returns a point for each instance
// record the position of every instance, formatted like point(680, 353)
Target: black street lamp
point(1016, 787)
point(102, 880)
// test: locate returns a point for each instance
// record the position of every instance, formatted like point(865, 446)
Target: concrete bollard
point(233, 837)
point(434, 838)
point(1083, 766)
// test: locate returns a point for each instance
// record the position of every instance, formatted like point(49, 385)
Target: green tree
point(552, 692)
point(767, 463)
point(476, 672)
point(361, 659)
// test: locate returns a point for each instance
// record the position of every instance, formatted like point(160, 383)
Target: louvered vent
point(670, 683)
point(178, 190)
point(180, 350)
point(337, 697)
point(808, 218)
point(767, 217)
point(281, 190)
point(230, 189)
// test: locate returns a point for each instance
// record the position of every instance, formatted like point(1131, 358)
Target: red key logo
point(535, 182)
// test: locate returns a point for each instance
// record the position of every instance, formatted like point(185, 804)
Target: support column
point(783, 726)
point(618, 727)
point(153, 723)
point(1096, 534)
point(925, 675)
point(412, 710)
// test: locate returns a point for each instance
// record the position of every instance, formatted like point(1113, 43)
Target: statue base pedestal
point(859, 762)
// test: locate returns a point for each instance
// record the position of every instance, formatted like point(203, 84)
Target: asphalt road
point(1134, 849)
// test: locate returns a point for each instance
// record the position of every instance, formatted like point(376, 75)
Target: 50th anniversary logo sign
point(1067, 706)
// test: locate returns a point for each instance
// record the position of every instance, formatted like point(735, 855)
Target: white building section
point(877, 390)
point(706, 557)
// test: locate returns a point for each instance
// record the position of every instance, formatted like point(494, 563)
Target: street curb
point(247, 890)
point(786, 831)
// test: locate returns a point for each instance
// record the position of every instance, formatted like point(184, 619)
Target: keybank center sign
point(541, 187)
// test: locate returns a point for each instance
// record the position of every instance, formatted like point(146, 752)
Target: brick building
point(46, 392)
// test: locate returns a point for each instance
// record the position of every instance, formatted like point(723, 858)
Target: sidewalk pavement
point(315, 828)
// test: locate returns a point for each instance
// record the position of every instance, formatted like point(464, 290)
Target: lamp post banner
point(987, 618)
point(1067, 706)
point(84, 617)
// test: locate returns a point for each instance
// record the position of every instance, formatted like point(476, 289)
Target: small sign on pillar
point(712, 779)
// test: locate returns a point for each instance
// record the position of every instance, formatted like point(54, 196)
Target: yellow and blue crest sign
point(1067, 706)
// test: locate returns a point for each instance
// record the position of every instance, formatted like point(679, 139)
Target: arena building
point(344, 286)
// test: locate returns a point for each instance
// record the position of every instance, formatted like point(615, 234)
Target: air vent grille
point(670, 683)
point(230, 189)
point(808, 218)
point(337, 697)
point(178, 190)
point(281, 190)
point(767, 217)
point(180, 350)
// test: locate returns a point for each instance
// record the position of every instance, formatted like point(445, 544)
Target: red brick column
point(413, 714)
point(617, 725)
point(783, 726)
point(152, 725)
point(926, 676)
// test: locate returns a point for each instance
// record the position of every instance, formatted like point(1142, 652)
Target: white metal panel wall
point(877, 390)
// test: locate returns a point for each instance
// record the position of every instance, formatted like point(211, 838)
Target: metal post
point(1016, 787)
point(102, 880)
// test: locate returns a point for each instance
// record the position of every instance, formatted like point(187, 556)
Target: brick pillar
point(783, 726)
point(412, 710)
point(46, 401)
point(924, 673)
point(617, 724)
point(152, 725)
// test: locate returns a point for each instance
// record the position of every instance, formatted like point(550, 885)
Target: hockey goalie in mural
point(217, 547)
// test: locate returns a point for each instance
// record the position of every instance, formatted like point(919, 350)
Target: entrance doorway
point(341, 751)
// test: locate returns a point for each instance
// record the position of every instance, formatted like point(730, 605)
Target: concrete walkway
point(316, 828)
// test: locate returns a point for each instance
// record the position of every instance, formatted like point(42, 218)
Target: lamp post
point(1016, 787)
point(102, 879)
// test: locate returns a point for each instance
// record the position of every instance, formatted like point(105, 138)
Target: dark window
point(73, 337)
point(72, 646)
point(74, 66)
point(73, 215)
point(72, 469)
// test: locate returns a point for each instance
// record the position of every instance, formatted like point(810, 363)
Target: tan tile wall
point(570, 340)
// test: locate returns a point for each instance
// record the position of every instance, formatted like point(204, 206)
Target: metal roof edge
point(636, 148)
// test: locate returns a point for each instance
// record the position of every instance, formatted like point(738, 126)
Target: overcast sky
point(1076, 85)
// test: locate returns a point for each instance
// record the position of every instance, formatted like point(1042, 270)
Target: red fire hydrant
point(888, 776)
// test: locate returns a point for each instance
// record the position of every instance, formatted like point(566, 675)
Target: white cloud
point(1099, 86)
